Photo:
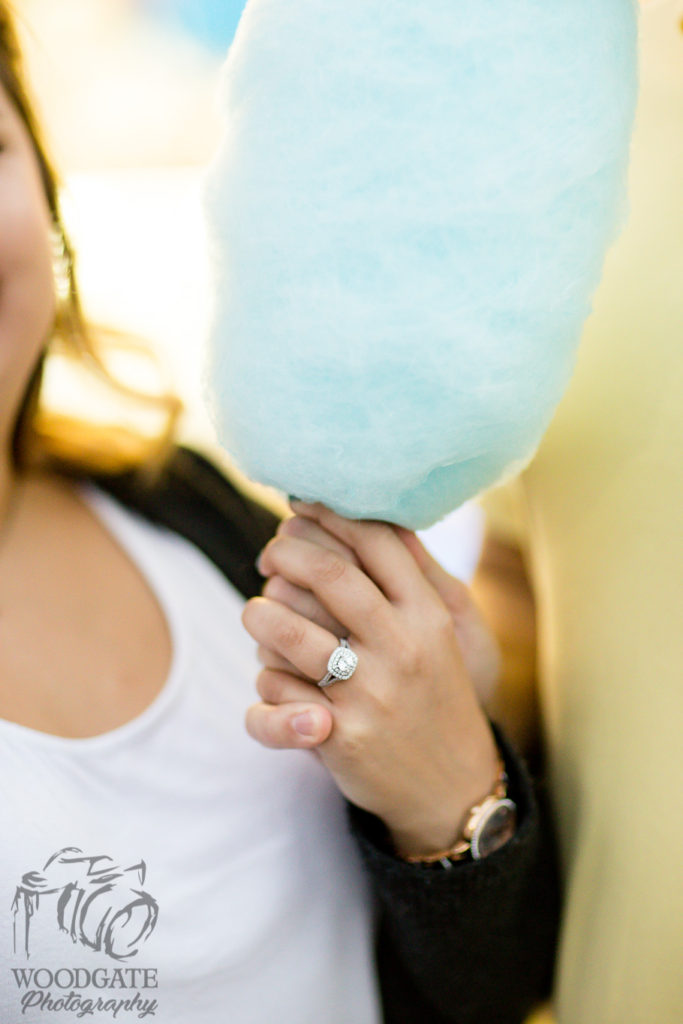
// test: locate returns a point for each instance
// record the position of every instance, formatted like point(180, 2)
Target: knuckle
point(408, 655)
point(274, 552)
point(352, 742)
point(328, 567)
point(289, 527)
point(251, 611)
point(289, 635)
point(269, 686)
point(272, 545)
point(262, 687)
point(275, 588)
point(381, 698)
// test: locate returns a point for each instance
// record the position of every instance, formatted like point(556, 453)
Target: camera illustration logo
point(96, 905)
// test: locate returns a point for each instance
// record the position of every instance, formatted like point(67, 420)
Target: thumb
point(288, 726)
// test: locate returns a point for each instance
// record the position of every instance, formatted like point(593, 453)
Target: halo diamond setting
point(342, 663)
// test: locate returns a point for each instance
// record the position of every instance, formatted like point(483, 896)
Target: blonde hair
point(43, 437)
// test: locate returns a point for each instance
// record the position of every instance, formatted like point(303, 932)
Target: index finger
point(381, 552)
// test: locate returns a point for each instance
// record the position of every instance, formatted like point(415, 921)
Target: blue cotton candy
point(408, 218)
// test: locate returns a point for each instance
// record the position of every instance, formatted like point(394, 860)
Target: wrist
point(439, 826)
point(487, 825)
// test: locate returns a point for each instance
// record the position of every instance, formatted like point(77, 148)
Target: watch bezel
point(484, 822)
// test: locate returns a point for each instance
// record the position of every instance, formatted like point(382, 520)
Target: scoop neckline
point(117, 521)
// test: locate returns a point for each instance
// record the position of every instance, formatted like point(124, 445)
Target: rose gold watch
point(489, 825)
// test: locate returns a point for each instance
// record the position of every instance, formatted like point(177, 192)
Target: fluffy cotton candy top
point(409, 215)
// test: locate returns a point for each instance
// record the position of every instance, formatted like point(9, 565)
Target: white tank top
point(172, 869)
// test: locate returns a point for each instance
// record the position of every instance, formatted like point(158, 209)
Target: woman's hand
point(478, 646)
point(405, 737)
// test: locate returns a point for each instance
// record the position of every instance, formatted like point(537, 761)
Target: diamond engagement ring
point(342, 664)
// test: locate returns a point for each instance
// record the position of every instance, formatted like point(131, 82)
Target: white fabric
point(233, 861)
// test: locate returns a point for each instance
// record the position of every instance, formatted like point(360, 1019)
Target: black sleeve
point(474, 944)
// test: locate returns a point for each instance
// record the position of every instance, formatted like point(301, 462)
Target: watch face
point(495, 829)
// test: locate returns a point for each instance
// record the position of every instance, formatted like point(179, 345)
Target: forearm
point(476, 942)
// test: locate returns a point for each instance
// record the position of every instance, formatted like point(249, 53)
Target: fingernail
point(305, 724)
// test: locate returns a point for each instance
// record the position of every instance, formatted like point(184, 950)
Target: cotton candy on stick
point(408, 217)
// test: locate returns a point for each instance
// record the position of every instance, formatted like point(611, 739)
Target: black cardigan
point(471, 945)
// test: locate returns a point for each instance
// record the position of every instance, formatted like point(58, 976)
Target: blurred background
point(127, 91)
